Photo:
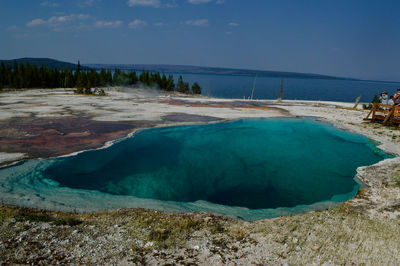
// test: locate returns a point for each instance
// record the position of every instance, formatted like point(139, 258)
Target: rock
point(207, 219)
point(45, 226)
point(149, 244)
point(316, 247)
point(22, 236)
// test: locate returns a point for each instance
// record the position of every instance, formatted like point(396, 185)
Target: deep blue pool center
point(256, 164)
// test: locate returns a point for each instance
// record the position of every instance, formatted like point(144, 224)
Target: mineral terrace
point(47, 123)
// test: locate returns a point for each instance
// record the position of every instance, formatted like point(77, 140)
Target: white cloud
point(234, 24)
point(59, 23)
point(63, 20)
point(199, 22)
point(109, 24)
point(13, 28)
point(56, 20)
point(82, 16)
point(137, 23)
point(196, 2)
point(49, 4)
point(171, 4)
point(149, 3)
point(36, 22)
point(159, 24)
point(87, 3)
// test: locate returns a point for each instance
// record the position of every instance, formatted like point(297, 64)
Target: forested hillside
point(20, 75)
point(47, 62)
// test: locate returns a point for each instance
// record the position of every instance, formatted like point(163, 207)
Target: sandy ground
point(48, 123)
point(75, 117)
point(7, 157)
point(364, 230)
point(119, 105)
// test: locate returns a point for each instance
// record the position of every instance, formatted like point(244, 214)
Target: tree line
point(21, 75)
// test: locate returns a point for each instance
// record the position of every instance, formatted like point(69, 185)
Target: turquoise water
point(252, 169)
point(255, 164)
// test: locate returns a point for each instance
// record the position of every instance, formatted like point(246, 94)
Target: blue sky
point(349, 38)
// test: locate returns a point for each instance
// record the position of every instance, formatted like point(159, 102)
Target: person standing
point(396, 97)
point(384, 98)
point(391, 101)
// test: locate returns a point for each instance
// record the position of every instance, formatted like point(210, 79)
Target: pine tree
point(133, 79)
point(69, 79)
point(80, 82)
point(196, 89)
point(183, 87)
point(102, 77)
point(109, 78)
point(78, 68)
point(147, 80)
point(180, 82)
point(14, 76)
point(117, 77)
point(170, 83)
point(27, 76)
point(3, 75)
point(93, 77)
point(88, 87)
point(157, 79)
point(163, 82)
point(9, 75)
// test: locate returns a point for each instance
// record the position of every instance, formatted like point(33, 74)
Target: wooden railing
point(387, 114)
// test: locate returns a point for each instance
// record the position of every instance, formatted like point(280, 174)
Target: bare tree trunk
point(357, 101)
point(254, 86)
point(281, 92)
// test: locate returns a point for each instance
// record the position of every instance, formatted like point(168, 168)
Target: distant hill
point(210, 70)
point(47, 62)
point(56, 64)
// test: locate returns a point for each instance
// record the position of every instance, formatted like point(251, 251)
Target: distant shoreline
point(183, 69)
point(202, 70)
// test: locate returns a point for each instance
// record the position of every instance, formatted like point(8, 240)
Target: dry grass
point(337, 236)
point(341, 235)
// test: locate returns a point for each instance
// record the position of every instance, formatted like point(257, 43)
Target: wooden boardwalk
point(388, 115)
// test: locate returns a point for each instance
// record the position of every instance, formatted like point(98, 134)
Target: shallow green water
point(257, 164)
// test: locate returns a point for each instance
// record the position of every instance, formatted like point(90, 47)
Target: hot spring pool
point(251, 169)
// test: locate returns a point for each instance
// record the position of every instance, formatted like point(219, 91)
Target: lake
point(237, 86)
point(236, 83)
